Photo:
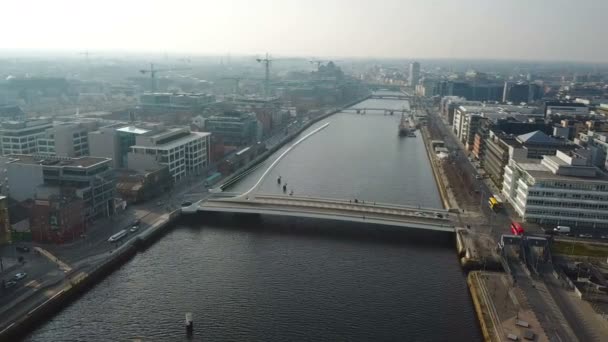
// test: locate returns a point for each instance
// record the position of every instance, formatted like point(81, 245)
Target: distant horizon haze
point(543, 30)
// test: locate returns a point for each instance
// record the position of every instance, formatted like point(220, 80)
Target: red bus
point(516, 228)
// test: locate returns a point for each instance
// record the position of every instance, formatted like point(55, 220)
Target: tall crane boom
point(153, 72)
point(266, 61)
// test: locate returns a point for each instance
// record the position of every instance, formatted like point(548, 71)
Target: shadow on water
point(311, 228)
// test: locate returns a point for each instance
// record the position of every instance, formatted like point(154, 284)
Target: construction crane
point(86, 55)
point(153, 72)
point(266, 61)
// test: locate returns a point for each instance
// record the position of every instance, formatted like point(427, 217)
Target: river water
point(265, 278)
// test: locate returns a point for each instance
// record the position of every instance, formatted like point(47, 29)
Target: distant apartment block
point(566, 108)
point(236, 128)
point(175, 101)
point(414, 74)
point(521, 92)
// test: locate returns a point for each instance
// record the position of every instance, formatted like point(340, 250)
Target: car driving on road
point(19, 276)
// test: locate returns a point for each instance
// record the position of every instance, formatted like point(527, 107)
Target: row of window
point(574, 186)
point(592, 197)
point(581, 215)
point(562, 204)
point(565, 222)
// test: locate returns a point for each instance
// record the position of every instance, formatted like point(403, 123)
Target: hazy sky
point(522, 29)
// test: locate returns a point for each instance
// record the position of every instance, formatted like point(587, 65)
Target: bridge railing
point(361, 203)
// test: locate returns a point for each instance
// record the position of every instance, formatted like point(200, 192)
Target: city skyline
point(470, 29)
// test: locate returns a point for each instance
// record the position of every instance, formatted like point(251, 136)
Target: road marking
point(62, 265)
point(33, 284)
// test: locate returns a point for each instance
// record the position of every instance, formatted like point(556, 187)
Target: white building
point(467, 120)
point(184, 152)
point(559, 190)
point(65, 140)
point(20, 137)
point(597, 142)
point(566, 108)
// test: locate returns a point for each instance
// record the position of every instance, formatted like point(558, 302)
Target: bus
point(494, 203)
point(121, 234)
point(516, 228)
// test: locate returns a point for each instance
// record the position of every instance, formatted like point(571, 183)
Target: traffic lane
point(37, 269)
point(99, 243)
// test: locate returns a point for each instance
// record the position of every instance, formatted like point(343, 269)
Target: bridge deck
point(378, 213)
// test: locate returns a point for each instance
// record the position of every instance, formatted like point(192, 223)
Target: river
point(284, 279)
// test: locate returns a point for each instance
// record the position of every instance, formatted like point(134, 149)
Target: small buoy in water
point(189, 323)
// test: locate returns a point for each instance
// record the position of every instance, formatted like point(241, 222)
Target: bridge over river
point(326, 208)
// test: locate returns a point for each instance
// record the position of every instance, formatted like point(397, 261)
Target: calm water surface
point(250, 278)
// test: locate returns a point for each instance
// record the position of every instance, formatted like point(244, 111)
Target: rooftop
point(30, 159)
point(176, 142)
point(566, 104)
point(536, 137)
point(536, 169)
point(133, 129)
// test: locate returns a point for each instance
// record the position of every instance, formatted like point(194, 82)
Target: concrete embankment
point(77, 283)
point(441, 186)
point(481, 308)
point(251, 166)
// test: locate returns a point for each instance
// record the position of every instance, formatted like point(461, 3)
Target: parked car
point(478, 177)
point(19, 276)
point(134, 229)
point(9, 284)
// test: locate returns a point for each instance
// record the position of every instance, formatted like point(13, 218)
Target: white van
point(562, 229)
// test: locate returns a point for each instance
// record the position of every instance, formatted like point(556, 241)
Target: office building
point(450, 103)
point(500, 147)
point(565, 108)
point(563, 189)
point(185, 153)
point(64, 140)
point(88, 178)
point(414, 74)
point(471, 90)
point(521, 92)
point(162, 102)
point(467, 120)
point(236, 128)
point(20, 137)
point(597, 142)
